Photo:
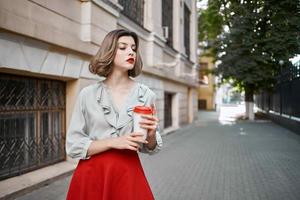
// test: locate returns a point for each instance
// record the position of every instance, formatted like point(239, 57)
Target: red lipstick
point(130, 60)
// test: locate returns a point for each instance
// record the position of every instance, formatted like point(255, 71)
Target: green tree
point(281, 39)
point(210, 26)
point(256, 35)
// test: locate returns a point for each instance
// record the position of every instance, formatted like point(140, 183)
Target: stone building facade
point(207, 88)
point(45, 48)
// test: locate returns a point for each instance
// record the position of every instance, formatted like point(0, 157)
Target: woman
point(101, 133)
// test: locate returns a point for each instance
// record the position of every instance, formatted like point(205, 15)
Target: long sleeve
point(77, 140)
point(158, 146)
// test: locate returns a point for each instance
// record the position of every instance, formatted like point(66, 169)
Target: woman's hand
point(150, 122)
point(131, 141)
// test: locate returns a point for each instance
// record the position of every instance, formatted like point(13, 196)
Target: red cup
point(138, 111)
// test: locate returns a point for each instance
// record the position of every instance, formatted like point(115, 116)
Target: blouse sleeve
point(78, 141)
point(159, 142)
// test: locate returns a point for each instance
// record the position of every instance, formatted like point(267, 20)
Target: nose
point(131, 52)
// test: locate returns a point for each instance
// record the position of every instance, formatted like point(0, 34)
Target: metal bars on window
point(32, 123)
point(134, 10)
point(187, 14)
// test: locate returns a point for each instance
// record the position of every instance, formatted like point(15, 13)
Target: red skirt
point(111, 175)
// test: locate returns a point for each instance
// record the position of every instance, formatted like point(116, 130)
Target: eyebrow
point(126, 43)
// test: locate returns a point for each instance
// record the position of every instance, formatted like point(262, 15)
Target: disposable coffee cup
point(138, 111)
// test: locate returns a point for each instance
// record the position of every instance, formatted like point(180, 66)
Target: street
point(211, 160)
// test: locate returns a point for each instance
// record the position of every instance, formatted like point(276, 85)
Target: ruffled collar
point(119, 119)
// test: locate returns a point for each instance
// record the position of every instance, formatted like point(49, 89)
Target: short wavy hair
point(101, 63)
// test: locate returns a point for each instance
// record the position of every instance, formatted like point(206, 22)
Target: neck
point(118, 79)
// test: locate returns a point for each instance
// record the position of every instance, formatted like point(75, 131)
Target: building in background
point(45, 48)
point(206, 90)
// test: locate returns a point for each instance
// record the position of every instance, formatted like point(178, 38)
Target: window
point(167, 20)
point(134, 10)
point(168, 110)
point(203, 74)
point(32, 118)
point(187, 14)
point(202, 104)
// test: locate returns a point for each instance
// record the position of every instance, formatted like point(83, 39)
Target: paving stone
point(210, 161)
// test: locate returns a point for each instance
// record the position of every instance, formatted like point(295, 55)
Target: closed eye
point(124, 48)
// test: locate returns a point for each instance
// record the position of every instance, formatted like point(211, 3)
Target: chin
point(126, 69)
point(129, 67)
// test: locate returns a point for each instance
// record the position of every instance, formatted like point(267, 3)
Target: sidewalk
point(209, 160)
point(22, 184)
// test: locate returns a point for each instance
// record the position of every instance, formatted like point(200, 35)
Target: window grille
point(134, 10)
point(32, 123)
point(187, 14)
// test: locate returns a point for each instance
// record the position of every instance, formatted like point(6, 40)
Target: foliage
point(210, 25)
point(255, 36)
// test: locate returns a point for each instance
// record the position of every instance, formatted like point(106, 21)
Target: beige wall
point(207, 92)
point(56, 39)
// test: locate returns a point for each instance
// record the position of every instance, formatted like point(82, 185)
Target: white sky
point(295, 59)
point(202, 4)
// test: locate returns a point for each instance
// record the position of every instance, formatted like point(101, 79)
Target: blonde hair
point(101, 63)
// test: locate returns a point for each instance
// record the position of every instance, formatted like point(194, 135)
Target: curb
point(20, 185)
point(29, 189)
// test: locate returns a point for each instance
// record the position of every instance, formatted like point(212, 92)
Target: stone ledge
point(16, 186)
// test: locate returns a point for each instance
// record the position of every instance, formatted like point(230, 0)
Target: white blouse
point(95, 117)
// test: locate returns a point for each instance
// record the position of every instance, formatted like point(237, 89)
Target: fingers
point(132, 148)
point(132, 141)
point(136, 134)
point(150, 117)
point(134, 145)
point(150, 127)
point(149, 122)
point(137, 138)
